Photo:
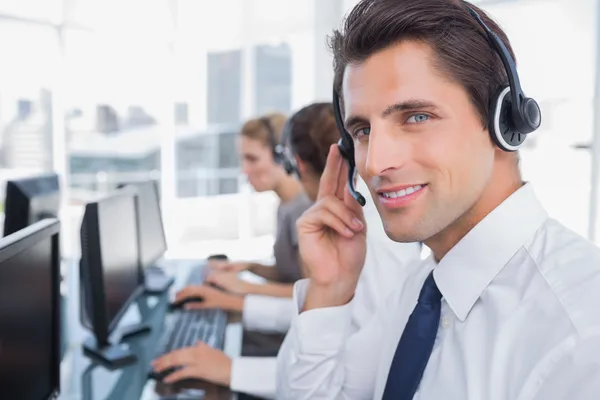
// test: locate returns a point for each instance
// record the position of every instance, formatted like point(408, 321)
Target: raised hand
point(332, 238)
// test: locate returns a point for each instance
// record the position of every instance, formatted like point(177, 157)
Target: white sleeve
point(254, 376)
point(267, 314)
point(575, 374)
point(322, 359)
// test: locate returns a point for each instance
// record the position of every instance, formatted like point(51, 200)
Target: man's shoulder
point(570, 265)
point(556, 248)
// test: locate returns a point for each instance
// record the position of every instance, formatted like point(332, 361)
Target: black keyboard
point(189, 327)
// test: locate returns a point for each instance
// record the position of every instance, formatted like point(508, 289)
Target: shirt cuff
point(267, 314)
point(254, 375)
point(320, 329)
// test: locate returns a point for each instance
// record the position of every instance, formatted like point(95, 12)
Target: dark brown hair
point(462, 51)
point(312, 131)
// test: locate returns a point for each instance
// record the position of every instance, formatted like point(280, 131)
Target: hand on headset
point(332, 238)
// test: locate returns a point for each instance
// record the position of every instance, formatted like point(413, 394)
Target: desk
point(84, 379)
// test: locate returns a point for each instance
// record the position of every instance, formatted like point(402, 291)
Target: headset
point(511, 117)
point(281, 154)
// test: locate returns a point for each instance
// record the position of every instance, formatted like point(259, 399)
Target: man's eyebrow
point(355, 120)
point(408, 106)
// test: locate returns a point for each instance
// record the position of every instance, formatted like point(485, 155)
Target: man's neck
point(494, 195)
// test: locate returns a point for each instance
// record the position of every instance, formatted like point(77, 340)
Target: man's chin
point(404, 233)
point(403, 237)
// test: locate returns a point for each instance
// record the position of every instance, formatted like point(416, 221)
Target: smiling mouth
point(402, 192)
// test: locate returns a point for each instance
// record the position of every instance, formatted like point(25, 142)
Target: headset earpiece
point(286, 160)
point(501, 130)
point(281, 155)
point(512, 114)
point(284, 156)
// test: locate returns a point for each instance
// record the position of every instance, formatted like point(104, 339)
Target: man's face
point(419, 143)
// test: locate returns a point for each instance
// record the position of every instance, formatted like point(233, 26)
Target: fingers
point(208, 364)
point(189, 291)
point(342, 212)
point(334, 214)
point(188, 372)
point(331, 221)
point(353, 205)
point(222, 278)
point(185, 358)
point(198, 305)
point(217, 279)
point(342, 178)
point(173, 359)
point(329, 179)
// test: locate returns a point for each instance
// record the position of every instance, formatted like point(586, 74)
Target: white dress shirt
point(384, 262)
point(520, 320)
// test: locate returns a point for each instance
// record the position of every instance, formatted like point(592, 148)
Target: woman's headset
point(281, 153)
point(511, 118)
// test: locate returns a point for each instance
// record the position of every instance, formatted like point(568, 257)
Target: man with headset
point(506, 307)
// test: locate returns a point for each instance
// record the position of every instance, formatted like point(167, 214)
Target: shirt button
point(445, 322)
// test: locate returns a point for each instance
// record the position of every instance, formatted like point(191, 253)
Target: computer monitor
point(30, 316)
point(30, 200)
point(152, 236)
point(110, 273)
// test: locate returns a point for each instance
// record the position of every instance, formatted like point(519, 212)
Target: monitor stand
point(156, 280)
point(111, 355)
point(115, 355)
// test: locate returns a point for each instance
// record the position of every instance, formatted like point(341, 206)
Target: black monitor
point(30, 317)
point(152, 236)
point(110, 273)
point(30, 200)
point(153, 243)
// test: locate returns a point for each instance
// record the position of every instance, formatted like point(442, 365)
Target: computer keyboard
point(191, 326)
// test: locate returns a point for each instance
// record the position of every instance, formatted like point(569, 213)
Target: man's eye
point(417, 118)
point(362, 132)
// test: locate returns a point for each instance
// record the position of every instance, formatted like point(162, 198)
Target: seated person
point(258, 140)
point(312, 131)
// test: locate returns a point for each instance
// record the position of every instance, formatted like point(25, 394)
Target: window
point(273, 78)
point(26, 100)
point(224, 86)
point(112, 113)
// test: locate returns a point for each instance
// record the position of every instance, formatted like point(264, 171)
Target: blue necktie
point(415, 345)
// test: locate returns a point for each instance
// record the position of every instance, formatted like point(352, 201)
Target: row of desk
point(84, 379)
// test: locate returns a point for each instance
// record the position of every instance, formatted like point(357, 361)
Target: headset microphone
point(346, 147)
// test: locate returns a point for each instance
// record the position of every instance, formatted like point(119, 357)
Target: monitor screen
point(118, 232)
point(28, 313)
point(152, 237)
point(30, 200)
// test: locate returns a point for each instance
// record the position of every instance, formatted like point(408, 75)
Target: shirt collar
point(471, 265)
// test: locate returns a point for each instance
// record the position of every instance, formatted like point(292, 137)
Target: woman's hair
point(312, 130)
point(266, 129)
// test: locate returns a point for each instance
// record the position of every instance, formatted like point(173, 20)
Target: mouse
point(220, 257)
point(214, 285)
point(178, 305)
